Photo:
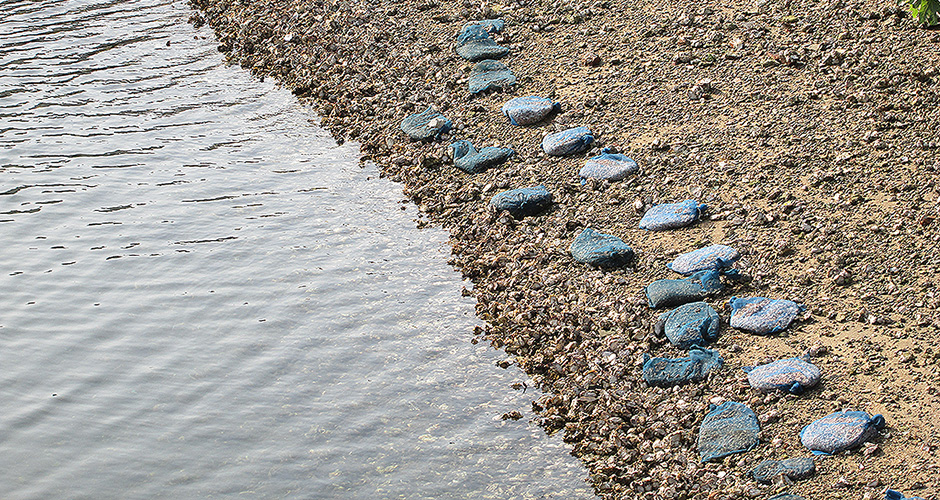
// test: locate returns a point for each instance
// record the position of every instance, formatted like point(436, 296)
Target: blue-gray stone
point(689, 325)
point(567, 142)
point(786, 496)
point(667, 372)
point(489, 74)
point(794, 468)
point(474, 42)
point(609, 166)
point(840, 431)
point(897, 495)
point(471, 161)
point(710, 257)
point(728, 429)
point(479, 29)
point(529, 109)
point(523, 201)
point(762, 315)
point(599, 249)
point(668, 293)
point(672, 215)
point(792, 374)
point(426, 125)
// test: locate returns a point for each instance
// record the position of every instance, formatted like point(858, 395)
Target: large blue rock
point(793, 468)
point(897, 495)
point(667, 372)
point(599, 249)
point(609, 166)
point(529, 109)
point(471, 161)
point(489, 74)
point(474, 42)
point(792, 374)
point(426, 125)
point(689, 325)
point(761, 315)
point(710, 257)
point(567, 142)
point(840, 431)
point(672, 215)
point(668, 293)
point(728, 429)
point(523, 201)
point(786, 496)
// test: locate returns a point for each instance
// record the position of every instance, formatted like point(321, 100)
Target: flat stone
point(840, 431)
point(668, 293)
point(710, 257)
point(529, 109)
point(567, 142)
point(761, 315)
point(667, 372)
point(489, 74)
point(609, 166)
point(794, 468)
point(471, 161)
point(792, 374)
point(728, 429)
point(599, 249)
point(689, 325)
point(522, 202)
point(426, 125)
point(672, 215)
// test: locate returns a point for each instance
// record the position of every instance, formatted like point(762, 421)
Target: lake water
point(203, 296)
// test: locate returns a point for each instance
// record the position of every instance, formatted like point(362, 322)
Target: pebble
point(489, 74)
point(668, 293)
point(426, 125)
point(689, 325)
point(793, 468)
point(471, 161)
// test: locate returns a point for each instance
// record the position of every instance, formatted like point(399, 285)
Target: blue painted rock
point(471, 161)
point(840, 431)
point(474, 28)
point(668, 293)
point(672, 215)
point(609, 166)
point(667, 372)
point(710, 257)
point(528, 110)
point(599, 249)
point(474, 42)
point(523, 201)
point(761, 315)
point(786, 496)
point(727, 429)
point(567, 142)
point(489, 74)
point(793, 468)
point(792, 374)
point(897, 495)
point(426, 125)
point(689, 325)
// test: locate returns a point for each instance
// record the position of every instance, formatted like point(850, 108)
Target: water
point(205, 297)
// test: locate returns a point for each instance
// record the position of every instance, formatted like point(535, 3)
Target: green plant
point(924, 11)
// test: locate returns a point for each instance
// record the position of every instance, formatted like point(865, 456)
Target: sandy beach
point(808, 128)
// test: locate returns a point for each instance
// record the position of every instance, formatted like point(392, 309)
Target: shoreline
point(810, 131)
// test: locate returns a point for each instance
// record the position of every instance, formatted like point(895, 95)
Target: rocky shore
point(810, 130)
